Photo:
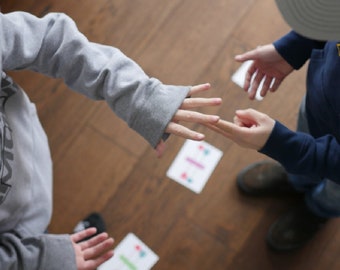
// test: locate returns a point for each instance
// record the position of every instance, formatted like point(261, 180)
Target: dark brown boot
point(294, 229)
point(264, 178)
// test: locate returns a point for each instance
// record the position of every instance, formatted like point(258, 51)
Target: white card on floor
point(194, 164)
point(240, 74)
point(131, 254)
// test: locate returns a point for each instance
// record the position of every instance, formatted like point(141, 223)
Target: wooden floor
point(101, 165)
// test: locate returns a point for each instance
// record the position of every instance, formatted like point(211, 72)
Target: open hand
point(93, 252)
point(186, 114)
point(268, 65)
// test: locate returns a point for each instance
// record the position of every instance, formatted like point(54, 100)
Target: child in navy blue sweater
point(309, 159)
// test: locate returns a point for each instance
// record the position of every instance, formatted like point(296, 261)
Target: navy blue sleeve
point(300, 153)
point(296, 49)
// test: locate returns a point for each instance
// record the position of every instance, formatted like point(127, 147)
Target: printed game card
point(194, 164)
point(131, 254)
point(240, 74)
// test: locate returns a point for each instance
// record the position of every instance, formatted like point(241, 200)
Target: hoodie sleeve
point(52, 45)
point(52, 252)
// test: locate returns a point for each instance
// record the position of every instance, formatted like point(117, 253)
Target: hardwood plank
point(262, 24)
point(113, 128)
point(90, 172)
point(189, 40)
point(161, 221)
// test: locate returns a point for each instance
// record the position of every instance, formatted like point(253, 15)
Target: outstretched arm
point(53, 45)
point(298, 152)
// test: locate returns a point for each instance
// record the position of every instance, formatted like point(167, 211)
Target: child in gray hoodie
point(53, 46)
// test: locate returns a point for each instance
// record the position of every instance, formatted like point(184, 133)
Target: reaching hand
point(93, 252)
point(251, 129)
point(185, 114)
point(268, 65)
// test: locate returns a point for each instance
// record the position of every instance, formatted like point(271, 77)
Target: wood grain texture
point(102, 165)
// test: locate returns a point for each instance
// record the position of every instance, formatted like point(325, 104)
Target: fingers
point(249, 75)
point(93, 241)
point(250, 129)
point(218, 130)
point(275, 84)
point(268, 68)
point(184, 132)
point(249, 117)
point(190, 103)
point(94, 263)
point(226, 126)
point(248, 113)
point(199, 88)
point(93, 252)
point(160, 149)
point(96, 246)
point(188, 116)
point(268, 81)
point(79, 236)
point(185, 114)
point(255, 84)
point(269, 84)
point(196, 117)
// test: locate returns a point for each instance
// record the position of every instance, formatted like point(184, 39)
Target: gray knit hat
point(316, 19)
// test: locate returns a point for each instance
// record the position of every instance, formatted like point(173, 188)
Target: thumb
point(249, 117)
point(250, 55)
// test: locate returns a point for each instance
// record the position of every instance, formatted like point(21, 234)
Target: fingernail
point(219, 100)
point(199, 136)
point(215, 118)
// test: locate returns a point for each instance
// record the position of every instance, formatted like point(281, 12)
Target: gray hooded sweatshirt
point(53, 46)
